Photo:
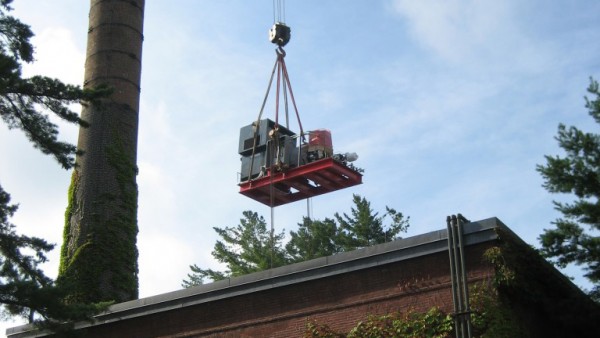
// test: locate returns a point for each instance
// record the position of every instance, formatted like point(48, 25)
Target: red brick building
point(341, 290)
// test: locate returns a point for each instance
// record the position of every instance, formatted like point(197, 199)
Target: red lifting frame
point(315, 178)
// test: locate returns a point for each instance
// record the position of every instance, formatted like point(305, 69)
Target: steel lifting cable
point(278, 11)
point(271, 234)
point(257, 123)
point(277, 88)
point(281, 69)
point(285, 105)
point(278, 17)
point(286, 78)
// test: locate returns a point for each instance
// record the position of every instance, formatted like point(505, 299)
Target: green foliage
point(365, 228)
point(15, 35)
point(71, 203)
point(199, 275)
point(248, 247)
point(490, 317)
point(433, 324)
point(20, 277)
point(526, 291)
point(504, 274)
point(575, 236)
point(24, 289)
point(317, 330)
point(313, 239)
point(24, 100)
point(112, 248)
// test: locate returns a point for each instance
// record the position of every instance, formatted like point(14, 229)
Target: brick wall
point(339, 301)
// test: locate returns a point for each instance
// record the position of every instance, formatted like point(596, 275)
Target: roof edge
point(401, 249)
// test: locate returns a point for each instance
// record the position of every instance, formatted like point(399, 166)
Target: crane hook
point(280, 51)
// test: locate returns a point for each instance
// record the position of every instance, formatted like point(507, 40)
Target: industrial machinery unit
point(259, 150)
point(280, 167)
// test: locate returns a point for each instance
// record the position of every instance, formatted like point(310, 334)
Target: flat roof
point(381, 254)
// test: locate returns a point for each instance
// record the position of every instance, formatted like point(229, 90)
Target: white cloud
point(163, 261)
point(452, 119)
point(481, 34)
point(57, 55)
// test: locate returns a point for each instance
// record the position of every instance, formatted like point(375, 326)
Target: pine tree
point(99, 253)
point(365, 227)
point(313, 239)
point(246, 248)
point(24, 288)
point(575, 237)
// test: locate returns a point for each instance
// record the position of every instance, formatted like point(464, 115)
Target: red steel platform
point(315, 178)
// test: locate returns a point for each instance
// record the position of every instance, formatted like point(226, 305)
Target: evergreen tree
point(24, 288)
point(23, 101)
point(313, 239)
point(575, 237)
point(365, 227)
point(247, 248)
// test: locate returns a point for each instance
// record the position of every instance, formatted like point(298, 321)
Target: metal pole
point(452, 274)
point(458, 272)
point(465, 286)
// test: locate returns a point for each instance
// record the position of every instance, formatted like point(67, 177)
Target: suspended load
point(278, 168)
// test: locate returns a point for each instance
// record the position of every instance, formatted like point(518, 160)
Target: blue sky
point(449, 104)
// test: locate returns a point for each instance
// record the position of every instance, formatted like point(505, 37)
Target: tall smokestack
point(99, 253)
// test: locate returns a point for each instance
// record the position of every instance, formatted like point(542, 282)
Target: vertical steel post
point(458, 272)
point(452, 257)
point(466, 311)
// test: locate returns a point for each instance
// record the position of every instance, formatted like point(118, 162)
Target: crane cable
point(278, 11)
point(283, 85)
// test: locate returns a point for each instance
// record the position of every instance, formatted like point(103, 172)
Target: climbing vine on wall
point(433, 323)
point(102, 266)
point(490, 315)
point(71, 206)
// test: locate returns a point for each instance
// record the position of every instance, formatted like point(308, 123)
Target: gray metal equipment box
point(247, 134)
point(265, 153)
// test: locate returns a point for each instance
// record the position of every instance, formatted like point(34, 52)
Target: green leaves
point(14, 37)
point(251, 247)
point(247, 248)
point(23, 101)
point(577, 173)
point(365, 227)
point(432, 324)
point(313, 239)
point(24, 289)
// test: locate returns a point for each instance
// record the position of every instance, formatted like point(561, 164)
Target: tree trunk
point(99, 253)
